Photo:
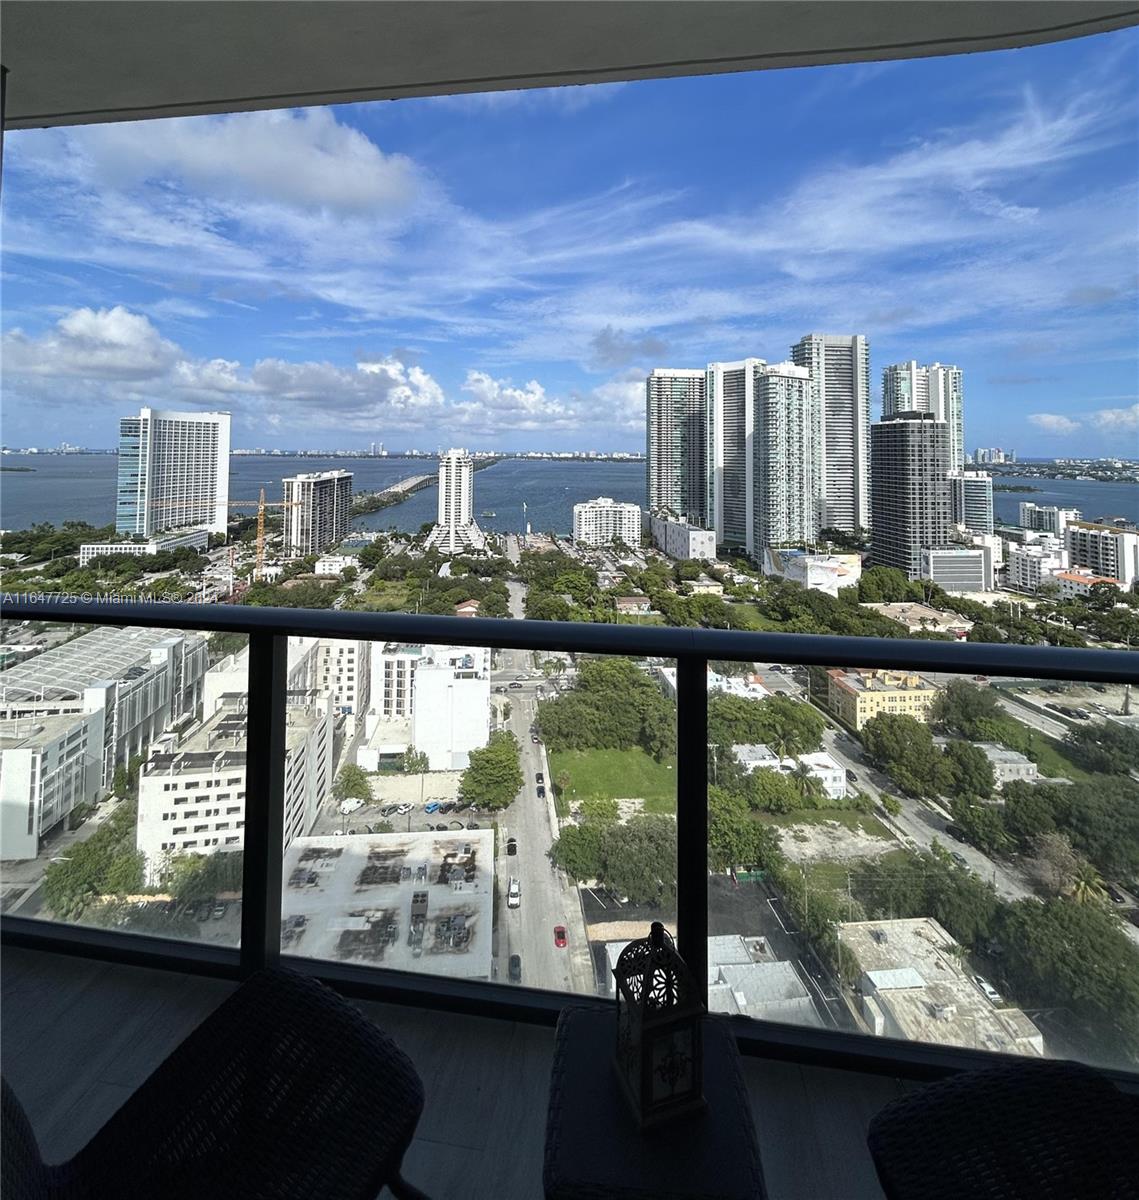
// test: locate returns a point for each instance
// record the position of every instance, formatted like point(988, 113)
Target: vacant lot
point(617, 775)
point(831, 834)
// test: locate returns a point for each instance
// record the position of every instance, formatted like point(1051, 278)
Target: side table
point(595, 1151)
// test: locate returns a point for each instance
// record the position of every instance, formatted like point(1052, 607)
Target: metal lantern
point(659, 1056)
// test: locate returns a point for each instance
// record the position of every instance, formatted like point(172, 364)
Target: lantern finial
point(656, 935)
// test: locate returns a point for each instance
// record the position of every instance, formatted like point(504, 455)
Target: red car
point(560, 936)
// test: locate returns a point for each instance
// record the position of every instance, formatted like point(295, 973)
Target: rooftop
point(1002, 754)
point(405, 901)
point(913, 973)
point(102, 655)
point(26, 732)
point(880, 681)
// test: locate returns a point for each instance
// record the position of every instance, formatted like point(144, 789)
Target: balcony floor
point(79, 1036)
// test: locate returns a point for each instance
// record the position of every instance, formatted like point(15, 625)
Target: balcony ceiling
point(80, 62)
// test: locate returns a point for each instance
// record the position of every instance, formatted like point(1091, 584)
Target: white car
point(350, 806)
point(514, 894)
point(991, 992)
point(403, 810)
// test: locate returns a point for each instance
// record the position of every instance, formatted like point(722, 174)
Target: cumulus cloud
point(1116, 419)
point(110, 343)
point(1054, 423)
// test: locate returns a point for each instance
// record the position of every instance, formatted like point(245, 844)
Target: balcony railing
point(268, 630)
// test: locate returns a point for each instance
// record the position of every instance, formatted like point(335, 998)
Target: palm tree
point(809, 785)
point(1087, 885)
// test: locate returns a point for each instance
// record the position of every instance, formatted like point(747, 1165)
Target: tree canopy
point(494, 777)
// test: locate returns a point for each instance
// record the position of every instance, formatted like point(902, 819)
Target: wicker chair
point(285, 1091)
point(1031, 1131)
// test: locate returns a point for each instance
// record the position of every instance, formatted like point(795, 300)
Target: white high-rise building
point(604, 520)
point(173, 472)
point(676, 450)
point(450, 710)
point(317, 509)
point(937, 389)
point(840, 372)
point(971, 500)
point(730, 388)
point(786, 497)
point(1029, 566)
point(1047, 517)
point(455, 530)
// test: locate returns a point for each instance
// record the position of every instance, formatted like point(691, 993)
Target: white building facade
point(1103, 549)
point(1049, 518)
point(679, 540)
point(194, 539)
point(840, 373)
point(819, 572)
point(455, 529)
point(450, 712)
point(343, 669)
point(316, 511)
point(937, 389)
point(604, 520)
point(676, 444)
point(1030, 565)
point(958, 568)
point(173, 472)
point(971, 500)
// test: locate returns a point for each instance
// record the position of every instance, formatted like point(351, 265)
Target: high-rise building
point(971, 500)
point(173, 472)
point(840, 372)
point(1047, 517)
point(993, 454)
point(676, 431)
point(786, 488)
point(909, 468)
point(730, 392)
point(604, 520)
point(455, 530)
point(937, 389)
point(317, 508)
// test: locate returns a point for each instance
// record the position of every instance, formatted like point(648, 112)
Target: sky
point(500, 271)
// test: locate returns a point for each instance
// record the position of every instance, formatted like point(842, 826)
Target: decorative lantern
point(659, 1056)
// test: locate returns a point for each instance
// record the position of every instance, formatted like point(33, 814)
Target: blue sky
point(500, 271)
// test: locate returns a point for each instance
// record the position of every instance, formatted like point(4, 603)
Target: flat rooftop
point(1002, 754)
point(35, 731)
point(881, 681)
point(406, 901)
point(911, 970)
point(96, 657)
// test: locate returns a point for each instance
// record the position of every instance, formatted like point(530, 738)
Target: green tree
point(960, 707)
point(1087, 885)
point(640, 859)
point(904, 748)
point(891, 804)
point(770, 791)
point(413, 762)
point(507, 709)
point(982, 826)
point(578, 850)
point(351, 784)
point(494, 777)
point(969, 771)
point(734, 837)
point(602, 809)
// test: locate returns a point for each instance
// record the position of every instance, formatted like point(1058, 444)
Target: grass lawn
point(847, 817)
point(389, 595)
point(832, 875)
point(1047, 752)
point(617, 774)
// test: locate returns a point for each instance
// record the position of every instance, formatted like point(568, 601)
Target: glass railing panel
point(501, 815)
point(122, 761)
point(939, 858)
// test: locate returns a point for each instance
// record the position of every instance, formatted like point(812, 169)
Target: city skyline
point(506, 268)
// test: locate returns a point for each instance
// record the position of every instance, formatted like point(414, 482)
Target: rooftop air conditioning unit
point(944, 1012)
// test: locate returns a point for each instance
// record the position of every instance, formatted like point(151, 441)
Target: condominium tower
point(971, 500)
point(937, 389)
point(604, 520)
point(317, 508)
point(455, 530)
point(730, 388)
point(173, 472)
point(840, 373)
point(676, 431)
point(909, 464)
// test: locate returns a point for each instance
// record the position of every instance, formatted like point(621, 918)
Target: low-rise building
point(678, 539)
point(1049, 518)
point(1103, 549)
point(633, 604)
point(604, 520)
point(705, 586)
point(175, 539)
point(914, 985)
point(1009, 765)
point(48, 765)
point(919, 617)
point(1079, 581)
point(958, 568)
point(747, 687)
point(467, 608)
point(758, 756)
point(828, 771)
point(819, 572)
point(858, 696)
point(333, 564)
point(1031, 565)
point(191, 789)
point(404, 901)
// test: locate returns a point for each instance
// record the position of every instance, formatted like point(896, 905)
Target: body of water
point(82, 487)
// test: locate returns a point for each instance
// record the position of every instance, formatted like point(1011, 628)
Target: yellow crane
point(261, 505)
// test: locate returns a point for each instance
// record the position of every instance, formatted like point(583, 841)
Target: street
point(548, 897)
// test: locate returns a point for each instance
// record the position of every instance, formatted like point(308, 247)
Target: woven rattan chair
point(1031, 1131)
point(285, 1091)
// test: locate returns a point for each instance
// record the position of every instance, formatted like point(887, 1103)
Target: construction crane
point(261, 505)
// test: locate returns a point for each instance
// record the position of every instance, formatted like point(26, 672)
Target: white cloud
point(1053, 423)
point(1113, 419)
point(110, 343)
point(572, 98)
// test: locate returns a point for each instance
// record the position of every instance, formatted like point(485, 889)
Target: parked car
point(431, 806)
point(991, 992)
point(220, 909)
point(514, 894)
point(389, 810)
point(351, 805)
point(515, 685)
point(541, 792)
point(540, 777)
point(500, 689)
point(519, 678)
point(511, 846)
point(956, 832)
point(446, 806)
point(516, 968)
point(560, 936)
point(959, 859)
point(535, 738)
point(202, 912)
point(403, 810)
point(851, 777)
point(1117, 897)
